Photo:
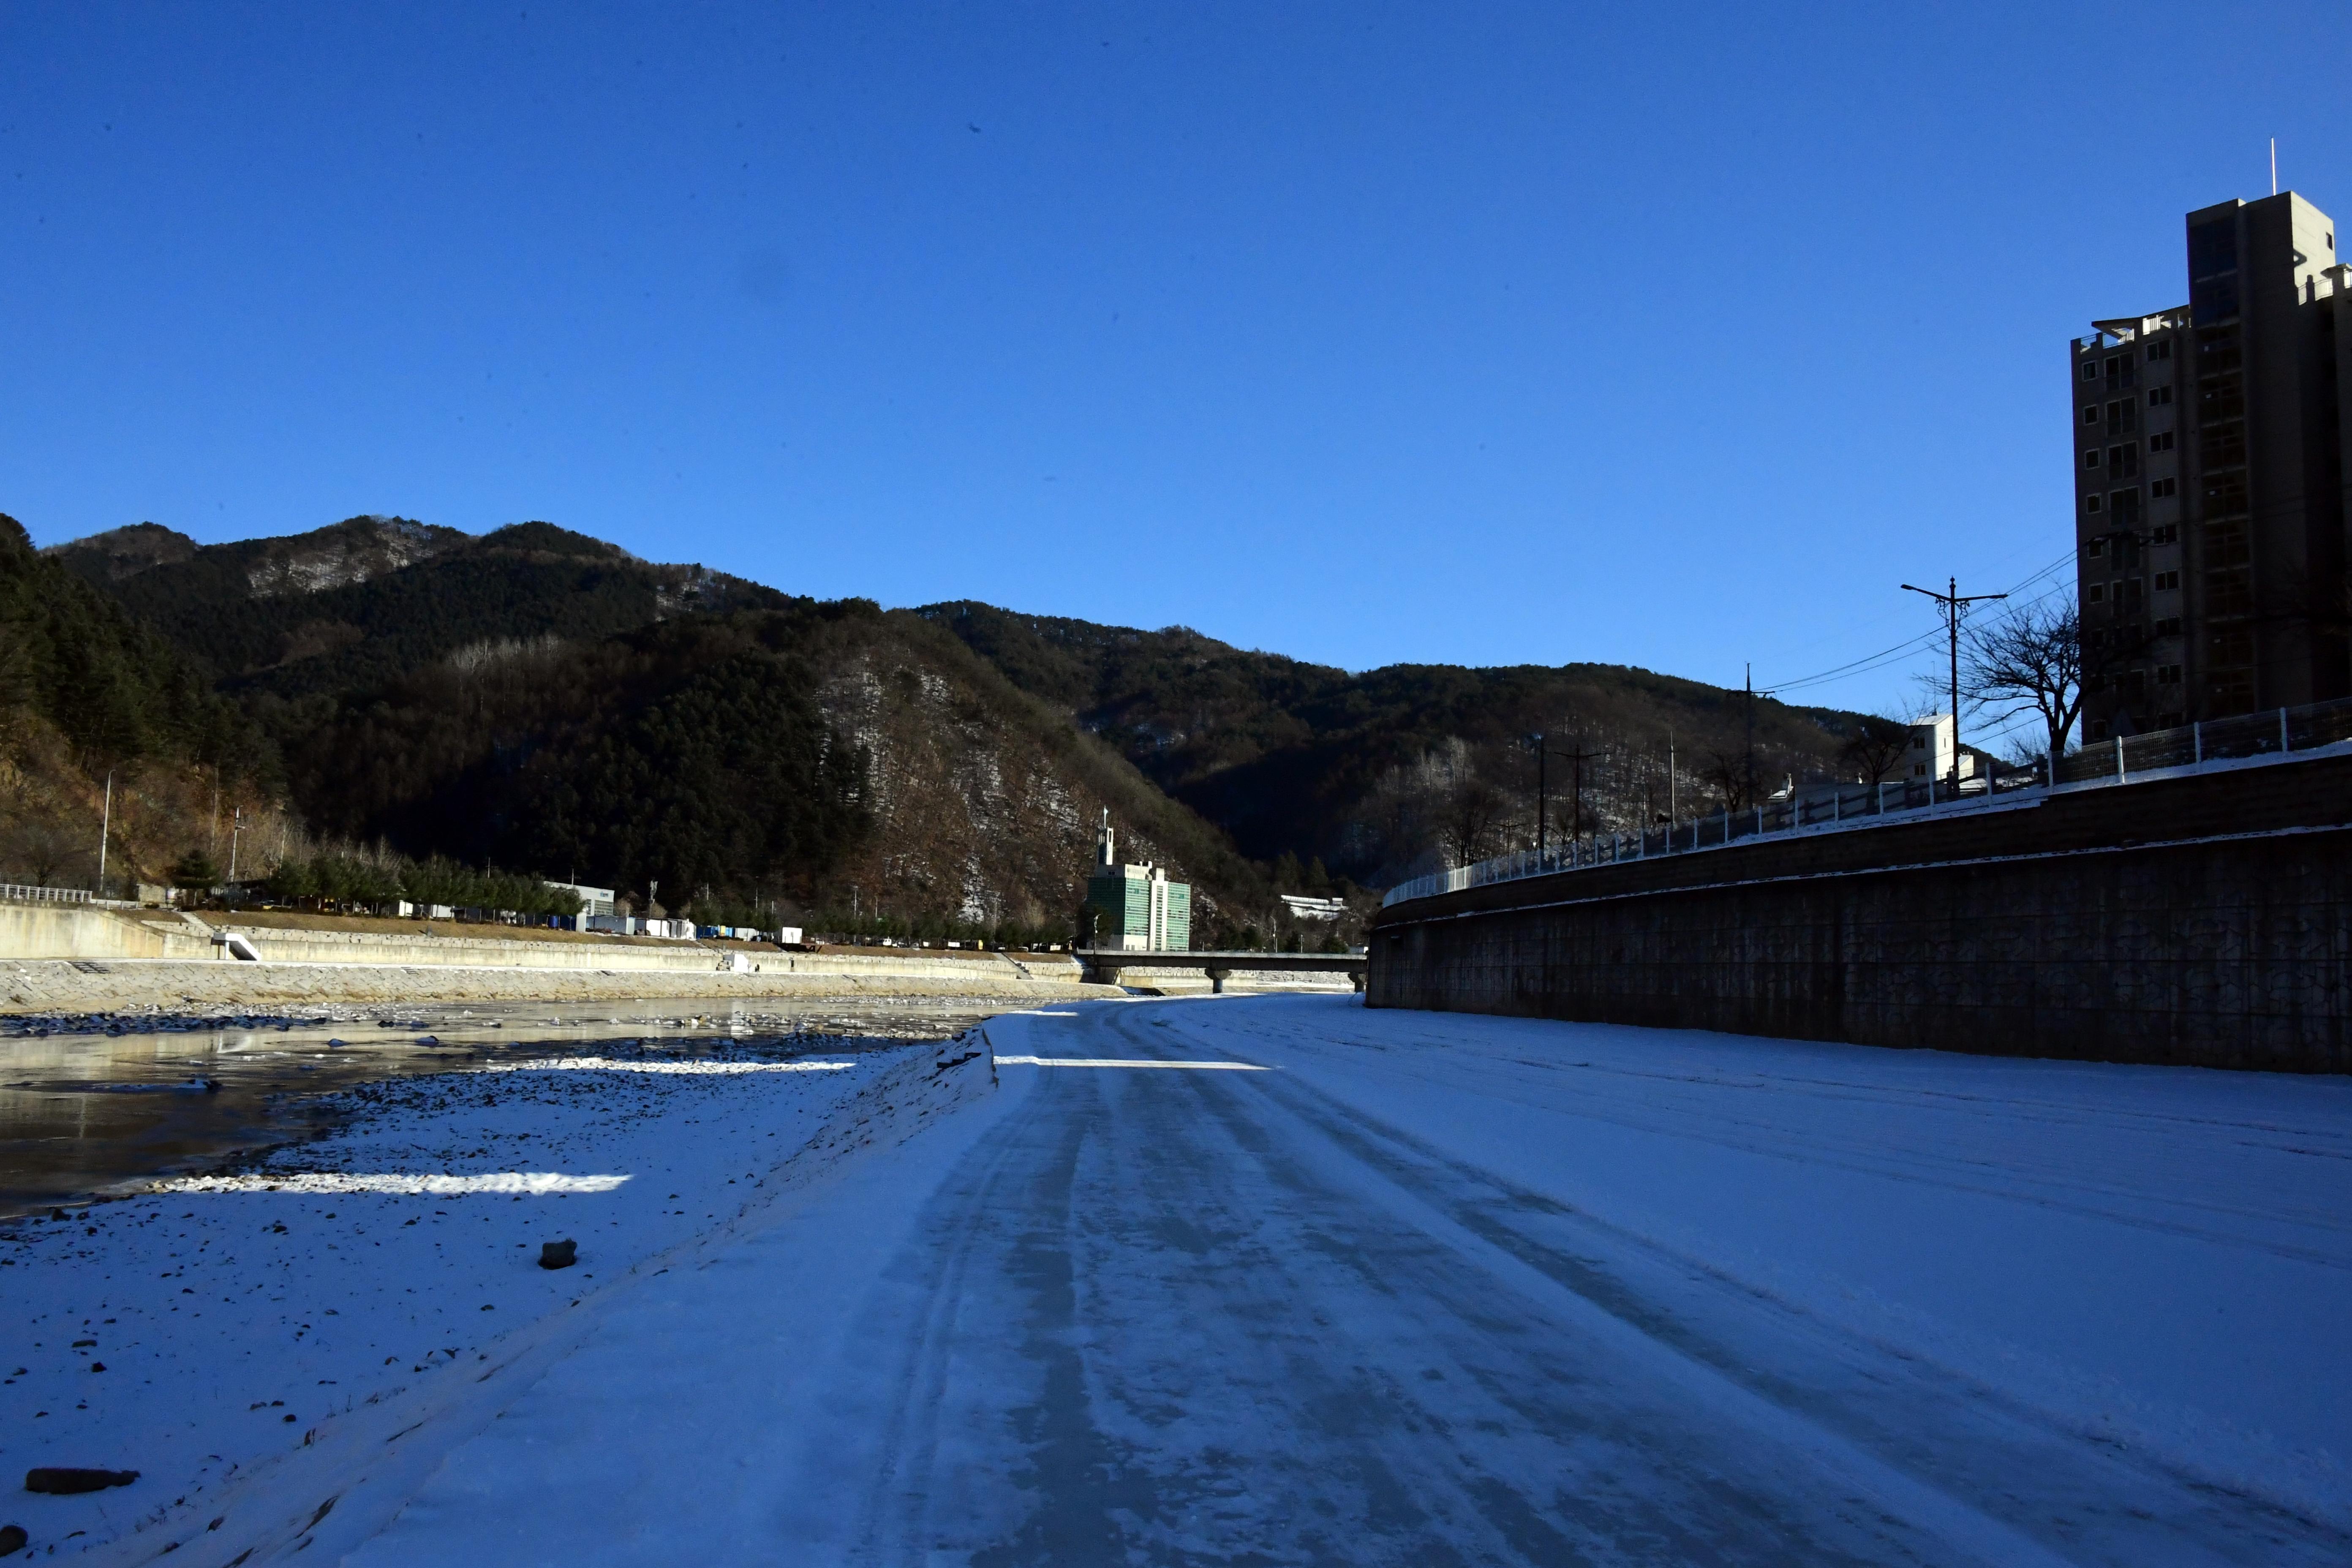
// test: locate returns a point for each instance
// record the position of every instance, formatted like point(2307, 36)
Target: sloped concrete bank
point(102, 960)
point(59, 985)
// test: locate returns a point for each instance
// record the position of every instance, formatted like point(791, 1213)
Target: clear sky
point(1463, 333)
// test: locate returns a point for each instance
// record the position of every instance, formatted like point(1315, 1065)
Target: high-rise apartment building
point(2211, 500)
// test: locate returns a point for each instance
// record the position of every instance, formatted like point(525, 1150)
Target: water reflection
point(88, 1113)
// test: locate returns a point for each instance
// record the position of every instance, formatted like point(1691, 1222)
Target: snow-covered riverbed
point(1420, 1289)
point(196, 1333)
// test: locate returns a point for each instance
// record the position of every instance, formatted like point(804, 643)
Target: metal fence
point(2273, 733)
point(2274, 736)
point(16, 893)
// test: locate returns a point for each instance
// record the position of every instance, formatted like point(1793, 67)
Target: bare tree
point(1473, 813)
point(1727, 773)
point(1877, 747)
point(2030, 660)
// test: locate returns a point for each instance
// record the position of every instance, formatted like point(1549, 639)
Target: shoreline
point(206, 1331)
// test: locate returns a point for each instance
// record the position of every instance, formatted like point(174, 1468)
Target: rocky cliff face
point(987, 804)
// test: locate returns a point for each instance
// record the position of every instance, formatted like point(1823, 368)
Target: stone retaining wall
point(2204, 921)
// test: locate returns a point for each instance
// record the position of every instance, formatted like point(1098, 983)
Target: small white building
point(1931, 757)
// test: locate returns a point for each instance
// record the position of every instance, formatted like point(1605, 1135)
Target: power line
point(1886, 655)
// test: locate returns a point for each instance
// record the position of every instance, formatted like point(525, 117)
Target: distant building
point(1137, 908)
point(1931, 757)
point(2210, 490)
point(593, 900)
point(1303, 907)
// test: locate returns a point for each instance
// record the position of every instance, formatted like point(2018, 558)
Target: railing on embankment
point(2192, 916)
point(2256, 738)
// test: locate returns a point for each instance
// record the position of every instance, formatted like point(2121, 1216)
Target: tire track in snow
point(2075, 1495)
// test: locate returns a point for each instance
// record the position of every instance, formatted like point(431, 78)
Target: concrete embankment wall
point(56, 986)
point(2201, 921)
point(73, 930)
point(73, 958)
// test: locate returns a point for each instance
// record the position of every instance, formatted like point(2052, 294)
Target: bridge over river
point(1106, 965)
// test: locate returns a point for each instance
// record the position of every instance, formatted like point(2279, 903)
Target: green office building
point(1136, 908)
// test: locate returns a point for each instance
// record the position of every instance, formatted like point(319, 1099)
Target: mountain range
point(546, 701)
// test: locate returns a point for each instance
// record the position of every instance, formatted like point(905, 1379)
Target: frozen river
point(1283, 1280)
point(96, 1110)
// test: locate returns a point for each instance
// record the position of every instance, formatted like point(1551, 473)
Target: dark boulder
point(65, 1481)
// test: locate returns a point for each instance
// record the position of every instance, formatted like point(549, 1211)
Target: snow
point(1426, 1288)
point(235, 1314)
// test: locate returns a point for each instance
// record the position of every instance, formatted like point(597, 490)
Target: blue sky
point(1473, 334)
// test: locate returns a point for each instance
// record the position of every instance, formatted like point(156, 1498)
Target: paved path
point(1118, 1314)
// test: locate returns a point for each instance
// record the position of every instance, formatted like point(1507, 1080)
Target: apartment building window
point(2122, 461)
point(2126, 596)
point(2160, 442)
point(2159, 489)
point(2098, 547)
point(2090, 503)
point(2167, 675)
point(2090, 370)
point(2158, 396)
point(2097, 593)
point(2160, 350)
point(2167, 582)
point(2121, 420)
point(2169, 534)
point(2091, 459)
point(2090, 414)
point(2123, 506)
point(2167, 626)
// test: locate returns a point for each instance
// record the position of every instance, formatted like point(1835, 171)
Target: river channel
point(86, 1115)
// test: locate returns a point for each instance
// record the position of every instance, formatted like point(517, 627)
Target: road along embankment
point(2202, 920)
point(102, 960)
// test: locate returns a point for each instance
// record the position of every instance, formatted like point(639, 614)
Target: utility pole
point(236, 828)
point(1954, 604)
point(1673, 797)
point(105, 825)
point(1541, 798)
point(1576, 821)
point(1748, 684)
point(1575, 816)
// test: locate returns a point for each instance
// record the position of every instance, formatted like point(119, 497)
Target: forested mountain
point(112, 689)
point(1376, 772)
point(546, 701)
point(371, 598)
point(543, 700)
point(89, 695)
